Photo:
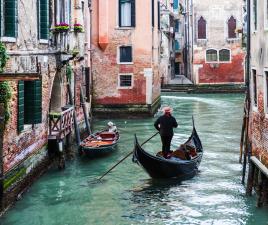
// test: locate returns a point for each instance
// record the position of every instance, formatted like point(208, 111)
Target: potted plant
point(78, 28)
point(61, 27)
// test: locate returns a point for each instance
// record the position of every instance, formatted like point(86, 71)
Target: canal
point(128, 195)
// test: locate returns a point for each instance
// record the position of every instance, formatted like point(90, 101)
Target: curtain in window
point(202, 29)
point(126, 14)
point(231, 27)
point(212, 55)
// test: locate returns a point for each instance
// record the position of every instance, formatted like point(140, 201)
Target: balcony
point(62, 41)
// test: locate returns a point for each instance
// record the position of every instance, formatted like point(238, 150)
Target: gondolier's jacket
point(165, 125)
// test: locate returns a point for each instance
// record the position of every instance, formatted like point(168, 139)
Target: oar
point(126, 157)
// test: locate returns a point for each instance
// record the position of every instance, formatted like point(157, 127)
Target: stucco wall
point(216, 13)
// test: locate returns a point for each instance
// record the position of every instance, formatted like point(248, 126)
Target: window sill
point(125, 28)
point(8, 39)
point(125, 63)
point(125, 88)
point(43, 41)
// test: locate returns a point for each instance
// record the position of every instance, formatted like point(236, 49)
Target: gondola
point(183, 164)
point(99, 143)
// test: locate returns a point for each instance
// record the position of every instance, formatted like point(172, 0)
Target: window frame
point(42, 40)
point(125, 74)
point(119, 56)
point(265, 81)
point(60, 12)
point(236, 36)
point(230, 53)
point(198, 29)
point(3, 36)
point(254, 20)
point(254, 93)
point(132, 15)
point(265, 15)
point(217, 55)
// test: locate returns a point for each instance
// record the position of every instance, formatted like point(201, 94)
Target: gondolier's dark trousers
point(166, 141)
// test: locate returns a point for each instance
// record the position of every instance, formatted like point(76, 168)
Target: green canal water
point(129, 196)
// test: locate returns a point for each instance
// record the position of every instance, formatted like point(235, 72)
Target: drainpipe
point(2, 128)
point(186, 41)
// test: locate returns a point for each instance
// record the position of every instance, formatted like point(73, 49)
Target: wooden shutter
point(43, 19)
point(231, 27)
point(158, 14)
point(33, 102)
point(1, 17)
point(119, 12)
point(20, 119)
point(10, 18)
point(202, 28)
point(133, 13)
point(153, 13)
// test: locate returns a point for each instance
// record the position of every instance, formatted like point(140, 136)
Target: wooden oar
point(126, 157)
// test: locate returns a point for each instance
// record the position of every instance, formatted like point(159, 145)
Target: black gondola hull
point(160, 168)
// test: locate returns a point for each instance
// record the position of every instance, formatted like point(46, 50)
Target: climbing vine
point(5, 90)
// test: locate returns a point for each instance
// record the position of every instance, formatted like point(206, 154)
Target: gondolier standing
point(165, 124)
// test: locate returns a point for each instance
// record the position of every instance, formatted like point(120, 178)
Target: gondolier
point(165, 124)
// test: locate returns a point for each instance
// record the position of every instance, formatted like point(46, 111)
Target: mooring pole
point(2, 128)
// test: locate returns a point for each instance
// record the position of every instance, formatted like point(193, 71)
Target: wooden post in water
point(85, 111)
point(242, 138)
point(2, 129)
point(250, 183)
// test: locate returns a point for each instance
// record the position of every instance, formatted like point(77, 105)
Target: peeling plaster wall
point(216, 13)
point(259, 113)
point(105, 67)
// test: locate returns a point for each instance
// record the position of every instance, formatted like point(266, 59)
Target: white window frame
point(118, 55)
point(217, 55)
point(254, 107)
point(265, 74)
point(132, 80)
point(66, 11)
point(266, 15)
point(230, 55)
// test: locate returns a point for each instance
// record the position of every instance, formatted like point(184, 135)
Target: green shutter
point(10, 18)
point(20, 106)
point(43, 19)
point(1, 18)
point(33, 102)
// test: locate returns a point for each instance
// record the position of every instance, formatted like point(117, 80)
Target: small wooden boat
point(99, 143)
point(183, 164)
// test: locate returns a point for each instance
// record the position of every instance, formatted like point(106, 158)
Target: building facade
point(218, 55)
point(125, 57)
point(259, 81)
point(45, 43)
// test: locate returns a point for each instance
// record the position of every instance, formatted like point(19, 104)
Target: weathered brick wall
point(105, 67)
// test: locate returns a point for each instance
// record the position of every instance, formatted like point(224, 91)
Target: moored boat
point(182, 165)
point(99, 143)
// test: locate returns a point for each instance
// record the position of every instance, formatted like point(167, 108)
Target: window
point(266, 90)
point(255, 14)
point(254, 86)
point(9, 17)
point(43, 25)
point(125, 81)
point(266, 14)
point(224, 55)
point(158, 15)
point(202, 28)
point(231, 27)
point(125, 54)
point(29, 103)
point(212, 55)
point(63, 11)
point(127, 13)
point(152, 13)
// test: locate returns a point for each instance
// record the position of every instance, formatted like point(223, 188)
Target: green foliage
point(5, 96)
point(69, 72)
point(3, 57)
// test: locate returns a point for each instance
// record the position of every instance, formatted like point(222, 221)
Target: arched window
point(224, 55)
point(231, 27)
point(212, 55)
point(202, 28)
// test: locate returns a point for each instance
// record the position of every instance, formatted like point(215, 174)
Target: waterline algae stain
point(129, 196)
